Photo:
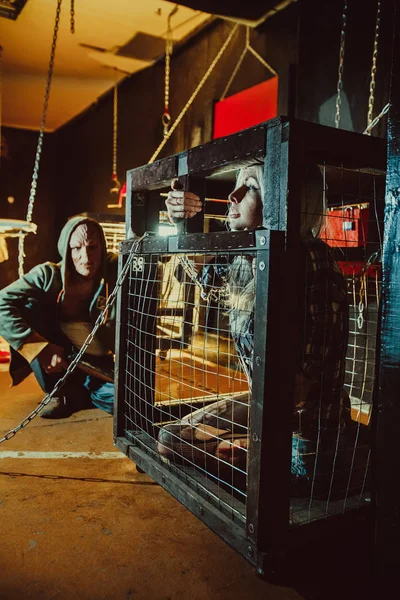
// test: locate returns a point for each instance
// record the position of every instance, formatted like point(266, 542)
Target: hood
point(63, 243)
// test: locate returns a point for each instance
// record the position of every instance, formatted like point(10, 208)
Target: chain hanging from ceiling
point(114, 177)
point(72, 17)
point(371, 98)
point(195, 93)
point(371, 122)
point(32, 195)
point(247, 48)
point(169, 46)
point(341, 65)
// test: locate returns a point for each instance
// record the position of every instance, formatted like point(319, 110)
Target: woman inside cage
point(321, 408)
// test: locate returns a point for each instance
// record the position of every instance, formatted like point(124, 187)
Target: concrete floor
point(94, 528)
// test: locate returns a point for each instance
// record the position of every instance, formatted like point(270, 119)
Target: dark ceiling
point(252, 10)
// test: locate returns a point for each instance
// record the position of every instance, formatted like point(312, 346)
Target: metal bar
point(199, 242)
point(270, 412)
point(345, 149)
point(275, 177)
point(128, 209)
point(338, 147)
point(143, 288)
point(120, 352)
point(196, 185)
point(222, 154)
point(224, 527)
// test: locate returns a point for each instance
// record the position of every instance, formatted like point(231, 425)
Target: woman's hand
point(52, 359)
point(182, 205)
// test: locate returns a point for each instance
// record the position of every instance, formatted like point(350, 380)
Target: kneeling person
point(49, 312)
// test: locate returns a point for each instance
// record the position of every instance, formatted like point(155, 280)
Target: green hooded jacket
point(43, 287)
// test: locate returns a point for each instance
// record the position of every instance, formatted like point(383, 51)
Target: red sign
point(246, 109)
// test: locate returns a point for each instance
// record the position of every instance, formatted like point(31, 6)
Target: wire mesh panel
point(352, 228)
point(185, 383)
point(186, 405)
point(246, 359)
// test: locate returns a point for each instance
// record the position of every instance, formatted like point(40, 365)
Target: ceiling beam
point(252, 12)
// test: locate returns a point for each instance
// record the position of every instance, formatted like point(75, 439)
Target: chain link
point(32, 195)
point(115, 132)
point(116, 184)
point(71, 367)
point(362, 298)
point(169, 47)
point(374, 259)
point(371, 99)
point(341, 66)
point(383, 112)
point(72, 12)
point(193, 96)
point(219, 295)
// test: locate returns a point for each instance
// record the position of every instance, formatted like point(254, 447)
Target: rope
point(232, 77)
point(193, 96)
point(32, 195)
point(371, 98)
point(247, 48)
point(341, 65)
point(262, 60)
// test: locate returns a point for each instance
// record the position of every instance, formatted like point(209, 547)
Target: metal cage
point(175, 349)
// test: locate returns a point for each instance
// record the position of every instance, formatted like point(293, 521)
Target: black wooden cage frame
point(287, 147)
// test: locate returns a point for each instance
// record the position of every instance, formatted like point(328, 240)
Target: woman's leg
point(199, 433)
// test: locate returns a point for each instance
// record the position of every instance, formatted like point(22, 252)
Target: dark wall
point(301, 43)
point(15, 181)
point(319, 43)
point(86, 143)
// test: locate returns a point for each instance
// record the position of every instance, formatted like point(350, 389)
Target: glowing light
point(167, 230)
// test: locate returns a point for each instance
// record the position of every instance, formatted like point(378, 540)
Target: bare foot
point(233, 452)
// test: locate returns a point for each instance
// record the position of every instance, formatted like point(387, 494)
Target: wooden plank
point(318, 143)
point(271, 405)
